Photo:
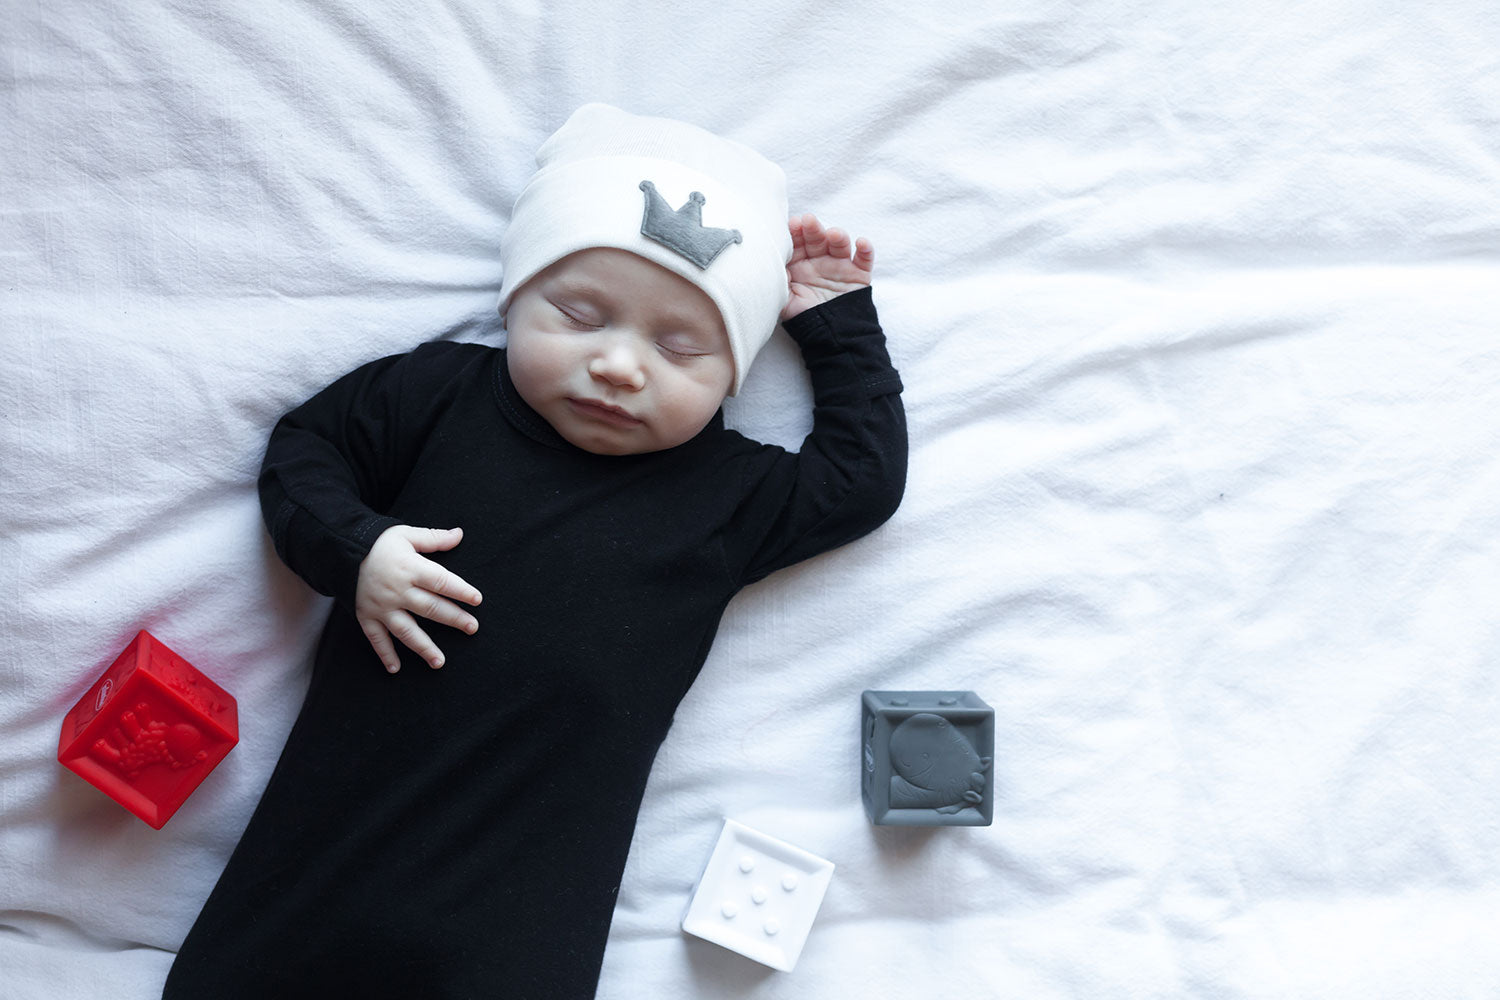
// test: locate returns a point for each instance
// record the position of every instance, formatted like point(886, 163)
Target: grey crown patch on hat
point(683, 231)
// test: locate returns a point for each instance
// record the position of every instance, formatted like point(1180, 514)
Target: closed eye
point(679, 346)
point(574, 321)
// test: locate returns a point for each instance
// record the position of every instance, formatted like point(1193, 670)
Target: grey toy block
point(927, 757)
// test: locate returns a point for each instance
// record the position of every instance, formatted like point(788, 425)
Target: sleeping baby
point(461, 832)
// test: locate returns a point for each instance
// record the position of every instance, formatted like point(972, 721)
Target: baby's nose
point(619, 365)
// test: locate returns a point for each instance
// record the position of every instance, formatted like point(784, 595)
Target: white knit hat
point(707, 208)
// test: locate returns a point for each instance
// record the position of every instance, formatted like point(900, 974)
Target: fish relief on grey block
point(936, 766)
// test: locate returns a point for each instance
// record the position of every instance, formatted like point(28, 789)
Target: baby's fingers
point(794, 226)
point(429, 605)
point(405, 628)
point(808, 237)
point(838, 244)
point(432, 539)
point(814, 238)
point(380, 641)
point(443, 581)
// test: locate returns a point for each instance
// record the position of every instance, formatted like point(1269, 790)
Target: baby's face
point(618, 354)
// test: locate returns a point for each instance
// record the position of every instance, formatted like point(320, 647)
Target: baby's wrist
point(856, 306)
point(808, 301)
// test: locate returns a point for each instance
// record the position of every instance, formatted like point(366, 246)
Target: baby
point(462, 832)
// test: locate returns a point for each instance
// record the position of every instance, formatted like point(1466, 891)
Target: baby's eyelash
point(574, 321)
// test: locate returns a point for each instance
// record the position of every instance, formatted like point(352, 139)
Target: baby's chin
point(598, 443)
point(612, 449)
point(625, 444)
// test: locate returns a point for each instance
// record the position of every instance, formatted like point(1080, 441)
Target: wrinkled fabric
point(1196, 311)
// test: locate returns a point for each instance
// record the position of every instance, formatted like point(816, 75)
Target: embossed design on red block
point(149, 730)
point(138, 742)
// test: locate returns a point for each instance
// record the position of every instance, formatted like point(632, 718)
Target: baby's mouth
point(599, 410)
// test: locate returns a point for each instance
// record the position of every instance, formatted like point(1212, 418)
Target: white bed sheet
point(1197, 309)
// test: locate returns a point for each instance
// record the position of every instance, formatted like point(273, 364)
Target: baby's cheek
point(531, 370)
point(695, 407)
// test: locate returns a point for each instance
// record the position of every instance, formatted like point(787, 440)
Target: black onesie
point(461, 832)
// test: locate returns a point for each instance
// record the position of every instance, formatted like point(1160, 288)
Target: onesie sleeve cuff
point(328, 560)
point(844, 347)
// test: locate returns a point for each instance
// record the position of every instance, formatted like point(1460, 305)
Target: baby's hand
point(396, 582)
point(821, 266)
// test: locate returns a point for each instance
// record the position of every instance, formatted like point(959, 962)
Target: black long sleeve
point(335, 464)
point(849, 475)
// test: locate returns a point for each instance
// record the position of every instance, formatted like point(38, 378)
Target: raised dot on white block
point(747, 863)
point(729, 910)
point(773, 927)
point(758, 895)
point(789, 882)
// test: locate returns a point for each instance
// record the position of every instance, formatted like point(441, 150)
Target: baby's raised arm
point(822, 264)
point(849, 473)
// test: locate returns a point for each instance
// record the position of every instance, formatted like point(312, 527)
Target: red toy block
point(149, 731)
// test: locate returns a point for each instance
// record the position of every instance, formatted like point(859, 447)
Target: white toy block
point(758, 896)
